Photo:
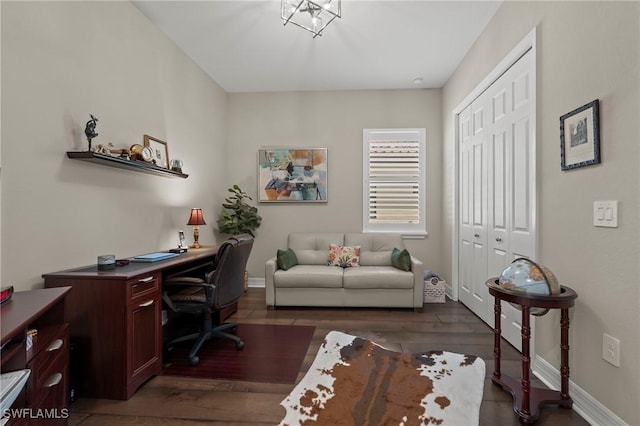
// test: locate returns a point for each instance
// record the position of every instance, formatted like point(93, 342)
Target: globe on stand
point(526, 276)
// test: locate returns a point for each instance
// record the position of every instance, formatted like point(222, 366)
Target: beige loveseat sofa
point(375, 283)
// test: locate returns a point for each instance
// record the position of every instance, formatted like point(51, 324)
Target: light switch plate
point(605, 214)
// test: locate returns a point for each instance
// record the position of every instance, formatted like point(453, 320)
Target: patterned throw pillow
point(345, 257)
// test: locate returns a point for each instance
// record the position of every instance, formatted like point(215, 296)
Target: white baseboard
point(448, 291)
point(256, 282)
point(583, 403)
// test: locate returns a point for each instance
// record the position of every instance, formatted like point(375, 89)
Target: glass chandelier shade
point(313, 16)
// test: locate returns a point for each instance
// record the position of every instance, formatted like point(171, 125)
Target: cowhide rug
point(354, 381)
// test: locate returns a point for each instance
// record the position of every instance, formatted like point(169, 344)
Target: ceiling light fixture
point(313, 15)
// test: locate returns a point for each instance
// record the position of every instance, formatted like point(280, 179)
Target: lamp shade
point(196, 217)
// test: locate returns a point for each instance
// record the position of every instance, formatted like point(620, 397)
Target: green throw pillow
point(286, 259)
point(401, 259)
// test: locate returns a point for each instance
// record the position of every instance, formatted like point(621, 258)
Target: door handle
point(476, 235)
point(498, 239)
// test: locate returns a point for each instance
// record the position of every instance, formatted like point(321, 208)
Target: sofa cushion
point(286, 259)
point(343, 256)
point(401, 259)
point(311, 248)
point(309, 276)
point(377, 277)
point(375, 249)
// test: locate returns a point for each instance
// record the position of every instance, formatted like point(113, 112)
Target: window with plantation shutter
point(394, 181)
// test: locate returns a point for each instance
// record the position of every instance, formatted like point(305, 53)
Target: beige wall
point(585, 51)
point(62, 61)
point(332, 120)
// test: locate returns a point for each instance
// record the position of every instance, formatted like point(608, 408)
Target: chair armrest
point(270, 268)
point(417, 267)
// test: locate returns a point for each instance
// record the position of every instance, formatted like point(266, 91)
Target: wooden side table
point(527, 401)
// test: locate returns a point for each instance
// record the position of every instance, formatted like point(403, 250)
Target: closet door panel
point(497, 189)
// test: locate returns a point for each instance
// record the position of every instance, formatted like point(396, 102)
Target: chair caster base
point(239, 345)
point(194, 360)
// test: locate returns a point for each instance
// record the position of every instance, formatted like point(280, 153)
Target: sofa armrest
point(270, 268)
point(417, 267)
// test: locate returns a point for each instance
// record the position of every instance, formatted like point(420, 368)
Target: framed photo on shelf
point(159, 149)
point(292, 175)
point(580, 137)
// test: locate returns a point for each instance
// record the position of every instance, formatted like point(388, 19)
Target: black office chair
point(205, 297)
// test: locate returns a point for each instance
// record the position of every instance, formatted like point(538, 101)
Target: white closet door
point(521, 182)
point(498, 252)
point(473, 213)
point(497, 190)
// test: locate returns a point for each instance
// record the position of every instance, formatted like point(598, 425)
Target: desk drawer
point(49, 369)
point(147, 285)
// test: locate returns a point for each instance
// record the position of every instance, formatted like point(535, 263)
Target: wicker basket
point(434, 291)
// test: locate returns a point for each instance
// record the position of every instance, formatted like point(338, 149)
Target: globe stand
point(528, 401)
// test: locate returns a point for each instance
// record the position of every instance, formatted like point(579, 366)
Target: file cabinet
point(44, 400)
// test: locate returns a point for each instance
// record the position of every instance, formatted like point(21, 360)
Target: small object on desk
point(178, 250)
point(5, 293)
point(181, 241)
point(153, 257)
point(106, 262)
point(122, 262)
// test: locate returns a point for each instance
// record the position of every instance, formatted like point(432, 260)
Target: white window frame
point(409, 229)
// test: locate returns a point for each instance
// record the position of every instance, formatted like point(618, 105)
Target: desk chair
point(205, 297)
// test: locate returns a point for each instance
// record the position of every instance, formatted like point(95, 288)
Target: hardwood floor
point(166, 400)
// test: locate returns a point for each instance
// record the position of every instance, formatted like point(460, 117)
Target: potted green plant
point(238, 216)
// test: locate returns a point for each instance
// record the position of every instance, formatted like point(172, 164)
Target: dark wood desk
point(527, 401)
point(48, 357)
point(116, 321)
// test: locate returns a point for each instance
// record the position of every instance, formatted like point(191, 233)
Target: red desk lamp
point(196, 220)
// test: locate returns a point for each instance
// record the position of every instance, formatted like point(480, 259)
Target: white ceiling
point(244, 46)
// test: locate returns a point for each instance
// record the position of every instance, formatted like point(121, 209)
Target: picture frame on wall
point(580, 137)
point(292, 175)
point(159, 150)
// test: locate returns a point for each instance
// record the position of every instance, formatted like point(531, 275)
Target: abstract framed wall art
point(580, 137)
point(292, 175)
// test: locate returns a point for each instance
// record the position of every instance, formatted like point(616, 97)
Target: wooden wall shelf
point(122, 163)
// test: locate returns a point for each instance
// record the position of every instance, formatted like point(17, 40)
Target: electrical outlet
point(611, 349)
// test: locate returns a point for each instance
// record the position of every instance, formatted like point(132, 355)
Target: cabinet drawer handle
point(146, 280)
point(53, 380)
point(55, 345)
point(498, 239)
point(145, 304)
point(476, 235)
